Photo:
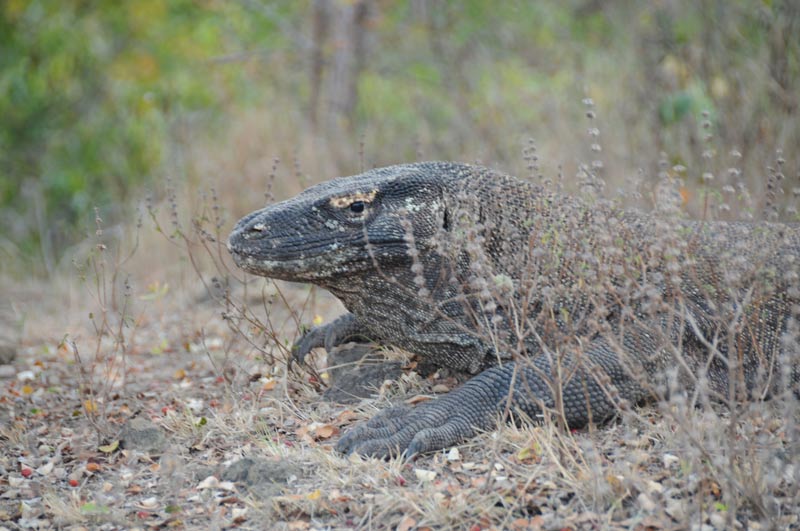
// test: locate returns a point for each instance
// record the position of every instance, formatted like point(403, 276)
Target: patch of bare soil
point(189, 426)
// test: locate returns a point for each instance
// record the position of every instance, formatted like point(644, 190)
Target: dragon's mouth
point(311, 259)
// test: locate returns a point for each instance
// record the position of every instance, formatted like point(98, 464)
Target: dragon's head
point(347, 225)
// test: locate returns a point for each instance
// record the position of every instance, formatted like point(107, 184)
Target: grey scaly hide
point(557, 305)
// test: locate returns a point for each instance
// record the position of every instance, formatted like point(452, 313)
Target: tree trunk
point(321, 14)
point(349, 29)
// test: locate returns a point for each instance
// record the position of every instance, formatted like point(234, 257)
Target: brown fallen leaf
point(346, 416)
point(521, 523)
point(651, 523)
point(709, 486)
point(406, 524)
point(326, 432)
point(316, 431)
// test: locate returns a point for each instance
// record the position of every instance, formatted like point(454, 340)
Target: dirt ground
point(188, 426)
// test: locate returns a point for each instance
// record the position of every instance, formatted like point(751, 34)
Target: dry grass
point(211, 378)
point(642, 470)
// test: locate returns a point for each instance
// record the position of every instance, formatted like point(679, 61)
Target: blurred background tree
point(90, 92)
point(98, 98)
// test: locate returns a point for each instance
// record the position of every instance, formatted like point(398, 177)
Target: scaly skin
point(555, 304)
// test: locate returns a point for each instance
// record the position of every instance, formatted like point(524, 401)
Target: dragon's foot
point(432, 425)
point(339, 331)
point(407, 431)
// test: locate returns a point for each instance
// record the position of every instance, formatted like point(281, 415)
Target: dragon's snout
point(248, 229)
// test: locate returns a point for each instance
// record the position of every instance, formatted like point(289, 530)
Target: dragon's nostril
point(259, 227)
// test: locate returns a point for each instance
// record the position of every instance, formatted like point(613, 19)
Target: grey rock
point(142, 435)
point(261, 477)
point(357, 371)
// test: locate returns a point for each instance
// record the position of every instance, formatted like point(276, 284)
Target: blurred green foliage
point(97, 97)
point(89, 91)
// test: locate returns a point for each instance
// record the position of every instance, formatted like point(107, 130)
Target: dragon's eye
point(357, 207)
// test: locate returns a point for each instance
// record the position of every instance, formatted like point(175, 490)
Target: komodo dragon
point(560, 306)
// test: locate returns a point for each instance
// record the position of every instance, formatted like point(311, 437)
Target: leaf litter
point(191, 437)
